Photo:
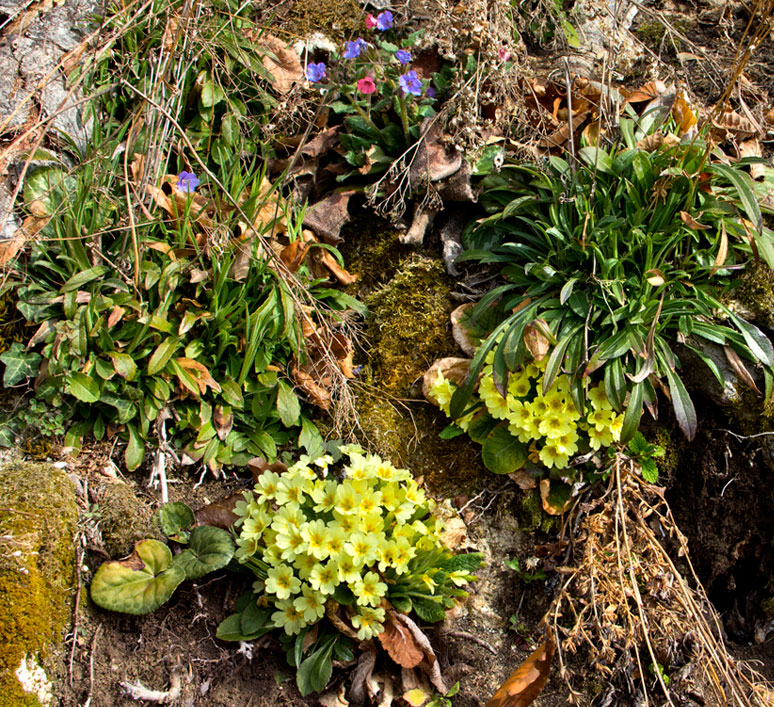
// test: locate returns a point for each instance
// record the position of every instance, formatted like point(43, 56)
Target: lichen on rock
point(38, 523)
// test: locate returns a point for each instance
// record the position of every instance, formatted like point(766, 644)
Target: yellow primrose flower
point(255, 524)
point(288, 617)
point(372, 522)
point(304, 564)
point(362, 548)
point(324, 495)
point(539, 407)
point(566, 443)
point(598, 398)
point(519, 386)
point(616, 426)
point(315, 535)
point(414, 494)
point(246, 547)
point(402, 530)
point(348, 524)
point(302, 471)
point(386, 471)
point(601, 418)
point(371, 501)
point(347, 499)
point(404, 553)
point(311, 604)
point(369, 623)
point(533, 454)
point(460, 578)
point(392, 496)
point(600, 438)
point(429, 582)
point(247, 507)
point(291, 489)
point(404, 512)
point(495, 403)
point(282, 582)
point(288, 516)
point(323, 461)
point(361, 471)
point(291, 543)
point(348, 571)
point(266, 488)
point(324, 578)
point(369, 589)
point(388, 553)
point(335, 539)
point(554, 425)
point(442, 390)
point(552, 458)
point(555, 401)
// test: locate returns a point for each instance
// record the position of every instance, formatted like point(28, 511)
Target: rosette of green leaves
point(621, 255)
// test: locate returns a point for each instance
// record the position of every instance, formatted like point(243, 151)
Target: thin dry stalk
point(632, 612)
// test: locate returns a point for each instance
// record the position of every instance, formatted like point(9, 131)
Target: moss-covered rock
point(38, 522)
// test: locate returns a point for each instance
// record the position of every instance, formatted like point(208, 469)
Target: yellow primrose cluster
point(549, 424)
point(307, 535)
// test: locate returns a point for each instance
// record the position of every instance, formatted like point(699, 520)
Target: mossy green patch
point(38, 522)
point(756, 293)
point(408, 327)
point(124, 519)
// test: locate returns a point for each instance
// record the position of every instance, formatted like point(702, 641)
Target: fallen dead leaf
point(455, 532)
point(416, 697)
point(453, 368)
point(740, 369)
point(691, 222)
point(328, 215)
point(460, 332)
point(550, 505)
point(535, 340)
point(219, 514)
point(752, 148)
point(399, 643)
point(648, 92)
point(281, 62)
point(529, 679)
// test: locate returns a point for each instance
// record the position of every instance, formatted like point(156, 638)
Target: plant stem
point(363, 114)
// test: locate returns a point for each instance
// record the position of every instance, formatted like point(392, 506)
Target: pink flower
point(366, 85)
point(370, 22)
point(504, 54)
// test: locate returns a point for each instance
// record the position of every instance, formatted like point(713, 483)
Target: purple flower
point(403, 56)
point(410, 83)
point(430, 93)
point(352, 49)
point(187, 182)
point(384, 21)
point(315, 72)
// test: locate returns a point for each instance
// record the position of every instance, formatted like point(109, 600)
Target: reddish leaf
point(399, 643)
point(521, 688)
point(219, 514)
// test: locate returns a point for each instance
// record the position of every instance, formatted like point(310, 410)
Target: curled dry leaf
point(454, 369)
point(552, 505)
point(257, 465)
point(460, 331)
point(729, 123)
point(363, 684)
point(399, 643)
point(523, 480)
point(740, 369)
point(219, 514)
point(535, 340)
point(199, 373)
point(691, 222)
point(648, 92)
point(752, 148)
point(335, 699)
point(529, 679)
point(686, 119)
point(316, 393)
point(455, 532)
point(223, 421)
point(281, 62)
point(327, 217)
point(434, 160)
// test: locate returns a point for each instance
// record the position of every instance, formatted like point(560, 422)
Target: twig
point(94, 639)
point(137, 691)
point(470, 637)
point(744, 437)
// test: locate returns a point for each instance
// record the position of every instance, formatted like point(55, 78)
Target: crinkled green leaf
point(209, 549)
point(138, 584)
point(176, 519)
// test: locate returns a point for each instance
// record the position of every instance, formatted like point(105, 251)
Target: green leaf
point(255, 618)
point(466, 562)
point(451, 431)
point(232, 393)
point(633, 412)
point(758, 343)
point(649, 470)
point(311, 439)
point(124, 365)
point(161, 355)
point(82, 387)
point(139, 584)
point(502, 453)
point(209, 550)
point(682, 404)
point(212, 94)
point(314, 672)
point(135, 449)
point(428, 610)
point(84, 277)
point(743, 186)
point(175, 520)
point(288, 407)
point(597, 158)
point(230, 629)
point(19, 364)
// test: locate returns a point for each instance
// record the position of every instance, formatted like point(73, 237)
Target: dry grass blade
point(627, 608)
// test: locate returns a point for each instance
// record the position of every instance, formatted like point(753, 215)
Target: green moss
point(124, 519)
point(652, 33)
point(340, 19)
point(532, 516)
point(38, 522)
point(408, 326)
point(756, 293)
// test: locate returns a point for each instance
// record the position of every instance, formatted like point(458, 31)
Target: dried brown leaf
point(293, 254)
point(549, 503)
point(460, 332)
point(525, 684)
point(691, 222)
point(220, 514)
point(327, 217)
point(200, 373)
point(683, 115)
point(316, 393)
point(455, 532)
point(720, 258)
point(752, 148)
point(535, 341)
point(648, 92)
point(434, 160)
point(223, 422)
point(257, 465)
point(399, 643)
point(281, 62)
point(523, 480)
point(740, 369)
point(453, 368)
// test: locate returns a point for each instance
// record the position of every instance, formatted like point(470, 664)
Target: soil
point(718, 488)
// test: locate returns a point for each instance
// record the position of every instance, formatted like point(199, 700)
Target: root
point(634, 615)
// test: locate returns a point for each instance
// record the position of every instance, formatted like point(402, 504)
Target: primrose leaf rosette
point(529, 424)
point(341, 544)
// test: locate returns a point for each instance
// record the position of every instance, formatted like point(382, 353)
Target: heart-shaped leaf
point(175, 520)
point(209, 550)
point(502, 452)
point(139, 584)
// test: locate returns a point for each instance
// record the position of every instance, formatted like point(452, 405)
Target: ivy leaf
point(19, 364)
point(139, 584)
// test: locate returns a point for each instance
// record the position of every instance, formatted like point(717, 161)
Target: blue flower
point(410, 83)
point(352, 49)
point(187, 182)
point(430, 92)
point(384, 21)
point(403, 56)
point(315, 72)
